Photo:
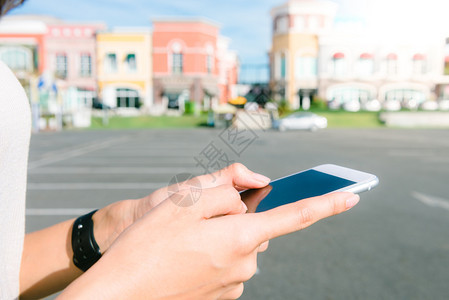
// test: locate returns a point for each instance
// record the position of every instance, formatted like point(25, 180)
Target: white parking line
point(57, 211)
point(65, 154)
point(431, 200)
point(96, 186)
point(111, 170)
point(140, 155)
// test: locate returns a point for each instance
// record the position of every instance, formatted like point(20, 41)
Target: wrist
point(110, 221)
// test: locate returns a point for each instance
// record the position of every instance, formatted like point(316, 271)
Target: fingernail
point(244, 206)
point(352, 201)
point(261, 178)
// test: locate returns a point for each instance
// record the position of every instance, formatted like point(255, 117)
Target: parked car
point(352, 106)
point(301, 121)
point(443, 104)
point(334, 105)
point(411, 104)
point(392, 105)
point(372, 105)
point(429, 105)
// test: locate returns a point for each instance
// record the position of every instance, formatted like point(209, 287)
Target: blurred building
point(70, 70)
point(55, 62)
point(22, 48)
point(125, 69)
point(360, 66)
point(191, 62)
point(294, 55)
point(227, 65)
point(347, 62)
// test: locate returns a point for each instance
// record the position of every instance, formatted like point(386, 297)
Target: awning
point(392, 56)
point(366, 56)
point(238, 100)
point(338, 55)
point(419, 56)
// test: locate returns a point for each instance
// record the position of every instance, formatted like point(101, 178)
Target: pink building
point(70, 59)
point(186, 63)
point(70, 53)
point(55, 62)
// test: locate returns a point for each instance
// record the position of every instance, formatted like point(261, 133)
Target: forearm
point(47, 265)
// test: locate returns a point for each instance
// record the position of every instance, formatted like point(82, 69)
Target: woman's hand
point(205, 251)
point(47, 265)
point(236, 175)
point(111, 220)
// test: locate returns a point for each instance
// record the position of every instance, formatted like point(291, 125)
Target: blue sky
point(247, 23)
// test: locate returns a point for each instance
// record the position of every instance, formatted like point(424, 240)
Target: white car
point(352, 106)
point(334, 105)
point(392, 105)
point(301, 121)
point(372, 105)
point(443, 105)
point(411, 104)
point(429, 105)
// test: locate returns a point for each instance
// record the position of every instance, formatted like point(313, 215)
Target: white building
point(349, 61)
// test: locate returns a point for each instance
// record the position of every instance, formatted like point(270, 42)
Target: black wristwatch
point(86, 251)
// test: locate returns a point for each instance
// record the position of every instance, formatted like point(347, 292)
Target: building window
point(16, 58)
point(177, 63)
point(405, 95)
point(313, 23)
point(300, 23)
point(392, 64)
point(86, 97)
point(306, 67)
point(127, 98)
point(419, 64)
point(283, 67)
point(131, 62)
point(110, 63)
point(85, 65)
point(446, 65)
point(339, 63)
point(282, 24)
point(209, 63)
point(348, 93)
point(61, 65)
point(365, 65)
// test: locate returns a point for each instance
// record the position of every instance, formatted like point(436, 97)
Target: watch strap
point(86, 251)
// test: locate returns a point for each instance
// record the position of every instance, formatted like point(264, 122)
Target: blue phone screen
point(303, 185)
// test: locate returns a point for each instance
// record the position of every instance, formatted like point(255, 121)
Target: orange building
point(190, 63)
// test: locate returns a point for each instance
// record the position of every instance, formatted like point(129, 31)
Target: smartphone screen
point(292, 188)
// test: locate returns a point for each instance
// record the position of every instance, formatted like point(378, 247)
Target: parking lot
point(393, 245)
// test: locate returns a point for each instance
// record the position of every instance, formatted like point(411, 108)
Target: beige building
point(351, 64)
point(295, 48)
point(125, 69)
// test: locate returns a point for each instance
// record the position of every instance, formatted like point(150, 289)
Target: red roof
point(419, 56)
point(392, 56)
point(338, 55)
point(366, 56)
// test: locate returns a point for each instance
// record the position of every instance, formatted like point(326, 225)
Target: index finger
point(236, 174)
point(295, 216)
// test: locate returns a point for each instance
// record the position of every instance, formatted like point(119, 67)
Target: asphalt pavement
point(393, 245)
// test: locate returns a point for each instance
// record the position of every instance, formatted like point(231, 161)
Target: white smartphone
point(313, 182)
